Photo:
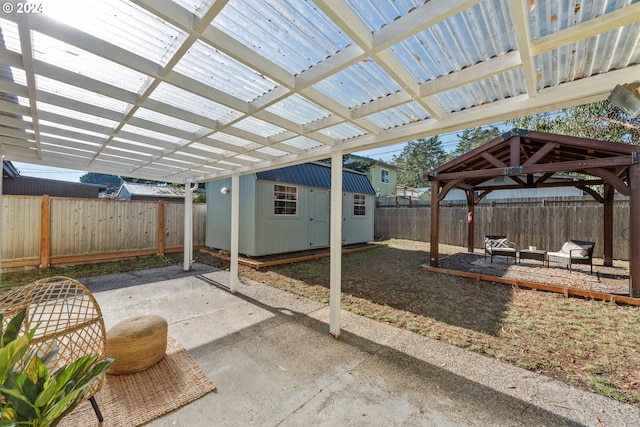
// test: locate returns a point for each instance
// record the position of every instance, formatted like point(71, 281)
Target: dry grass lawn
point(592, 345)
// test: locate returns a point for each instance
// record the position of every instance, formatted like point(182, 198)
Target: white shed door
point(318, 218)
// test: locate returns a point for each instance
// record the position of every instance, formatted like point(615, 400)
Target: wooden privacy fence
point(546, 227)
point(39, 231)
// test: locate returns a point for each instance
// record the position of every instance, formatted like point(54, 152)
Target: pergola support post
point(235, 232)
point(607, 231)
point(470, 220)
point(634, 231)
point(435, 224)
point(335, 234)
point(188, 227)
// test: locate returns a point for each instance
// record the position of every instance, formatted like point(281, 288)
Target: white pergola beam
point(493, 66)
point(625, 16)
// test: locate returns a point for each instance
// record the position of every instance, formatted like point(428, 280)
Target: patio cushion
point(497, 243)
point(565, 255)
point(578, 250)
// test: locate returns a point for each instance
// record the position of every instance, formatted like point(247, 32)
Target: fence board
point(546, 227)
point(90, 228)
point(20, 227)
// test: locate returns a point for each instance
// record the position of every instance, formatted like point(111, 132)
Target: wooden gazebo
point(530, 158)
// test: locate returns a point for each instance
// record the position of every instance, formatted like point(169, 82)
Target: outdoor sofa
point(573, 252)
point(499, 246)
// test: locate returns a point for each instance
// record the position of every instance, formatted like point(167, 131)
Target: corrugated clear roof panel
point(401, 115)
point(501, 86)
point(270, 151)
point(589, 57)
point(78, 115)
point(303, 143)
point(18, 75)
point(129, 144)
point(63, 132)
point(342, 131)
point(208, 148)
point(188, 101)
point(361, 83)
point(72, 151)
point(231, 140)
point(292, 34)
point(248, 158)
point(60, 54)
point(258, 127)
point(469, 37)
point(298, 109)
point(375, 16)
point(150, 134)
point(68, 142)
point(213, 68)
point(122, 24)
point(46, 84)
point(549, 16)
point(163, 119)
point(10, 35)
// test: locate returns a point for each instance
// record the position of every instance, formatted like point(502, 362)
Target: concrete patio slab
point(274, 363)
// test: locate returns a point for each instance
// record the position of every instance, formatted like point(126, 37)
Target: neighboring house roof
point(372, 161)
point(148, 190)
point(318, 174)
point(15, 184)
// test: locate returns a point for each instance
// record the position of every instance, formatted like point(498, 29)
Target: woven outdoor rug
point(134, 399)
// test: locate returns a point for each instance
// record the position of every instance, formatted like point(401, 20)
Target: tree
point(354, 163)
point(111, 181)
point(418, 157)
point(474, 137)
point(598, 120)
point(144, 181)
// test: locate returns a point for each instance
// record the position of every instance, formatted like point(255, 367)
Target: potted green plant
point(31, 395)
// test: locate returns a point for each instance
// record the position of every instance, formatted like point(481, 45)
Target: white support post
point(335, 274)
point(188, 226)
point(235, 231)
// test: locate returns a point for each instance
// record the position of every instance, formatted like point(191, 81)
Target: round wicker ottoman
point(136, 344)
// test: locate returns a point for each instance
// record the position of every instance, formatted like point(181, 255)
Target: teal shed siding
point(262, 232)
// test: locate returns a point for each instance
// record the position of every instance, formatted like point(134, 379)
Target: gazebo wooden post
point(470, 220)
point(607, 226)
point(435, 224)
point(634, 230)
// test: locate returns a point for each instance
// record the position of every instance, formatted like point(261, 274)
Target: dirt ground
point(589, 344)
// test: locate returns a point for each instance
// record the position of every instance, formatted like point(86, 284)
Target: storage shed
point(287, 209)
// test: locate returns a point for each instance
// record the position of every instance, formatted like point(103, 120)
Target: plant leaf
point(13, 327)
point(11, 354)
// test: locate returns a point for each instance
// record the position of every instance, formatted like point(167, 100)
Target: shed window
point(359, 205)
point(285, 200)
point(384, 176)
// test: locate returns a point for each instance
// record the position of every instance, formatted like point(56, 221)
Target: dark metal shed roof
point(318, 174)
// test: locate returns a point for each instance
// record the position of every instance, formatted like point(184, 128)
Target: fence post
point(45, 232)
point(160, 228)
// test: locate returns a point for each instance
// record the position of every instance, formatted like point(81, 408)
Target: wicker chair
point(69, 319)
point(499, 246)
point(573, 252)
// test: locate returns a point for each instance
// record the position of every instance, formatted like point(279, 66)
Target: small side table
point(540, 255)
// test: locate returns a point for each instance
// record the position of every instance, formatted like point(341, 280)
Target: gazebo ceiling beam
point(580, 165)
point(542, 152)
point(610, 178)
